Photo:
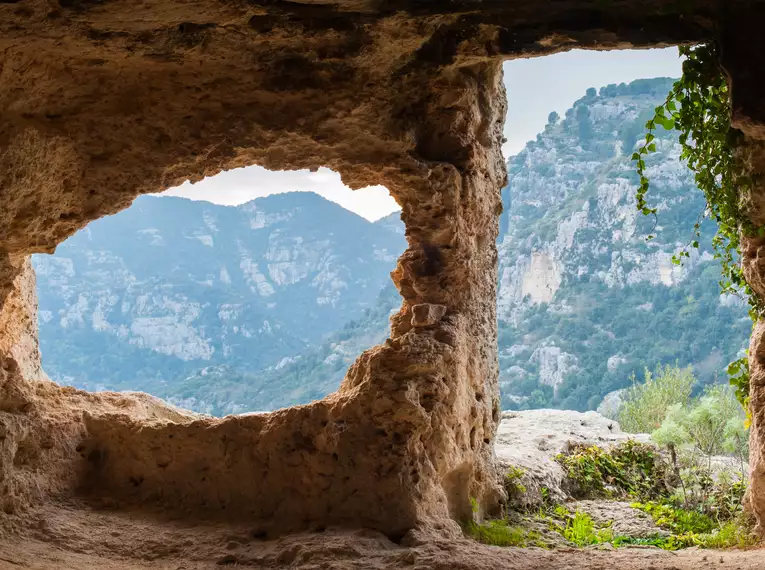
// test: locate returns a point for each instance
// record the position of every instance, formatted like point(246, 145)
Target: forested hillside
point(585, 299)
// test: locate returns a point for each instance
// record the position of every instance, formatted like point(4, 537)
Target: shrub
point(629, 469)
point(581, 531)
point(711, 425)
point(645, 405)
point(513, 484)
point(516, 490)
point(691, 528)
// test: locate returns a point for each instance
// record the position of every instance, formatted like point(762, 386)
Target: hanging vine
point(698, 107)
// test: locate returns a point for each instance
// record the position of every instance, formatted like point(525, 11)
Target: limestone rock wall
point(18, 317)
point(413, 423)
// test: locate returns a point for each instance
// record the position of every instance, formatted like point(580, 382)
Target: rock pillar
point(753, 254)
point(436, 382)
point(19, 346)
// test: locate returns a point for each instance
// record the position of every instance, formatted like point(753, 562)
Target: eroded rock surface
point(411, 427)
point(69, 539)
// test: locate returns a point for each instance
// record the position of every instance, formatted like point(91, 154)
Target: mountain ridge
point(172, 285)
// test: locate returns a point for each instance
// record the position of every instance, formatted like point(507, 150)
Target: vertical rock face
point(753, 259)
point(18, 319)
point(748, 105)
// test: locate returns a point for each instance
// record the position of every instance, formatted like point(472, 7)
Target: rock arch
point(101, 102)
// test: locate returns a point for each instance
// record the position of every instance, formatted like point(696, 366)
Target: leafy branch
point(698, 107)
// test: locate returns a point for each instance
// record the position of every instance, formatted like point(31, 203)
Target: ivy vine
point(699, 108)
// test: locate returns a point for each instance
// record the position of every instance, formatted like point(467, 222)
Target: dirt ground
point(69, 538)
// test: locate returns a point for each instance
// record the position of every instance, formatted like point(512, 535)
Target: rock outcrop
point(531, 440)
point(101, 102)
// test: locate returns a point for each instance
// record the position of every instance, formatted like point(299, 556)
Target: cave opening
point(577, 283)
point(587, 302)
point(411, 100)
point(247, 291)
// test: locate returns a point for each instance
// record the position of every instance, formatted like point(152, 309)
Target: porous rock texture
point(74, 539)
point(101, 101)
point(749, 120)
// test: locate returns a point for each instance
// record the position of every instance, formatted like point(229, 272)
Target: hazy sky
point(535, 87)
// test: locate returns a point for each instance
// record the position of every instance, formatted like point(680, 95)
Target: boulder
point(530, 441)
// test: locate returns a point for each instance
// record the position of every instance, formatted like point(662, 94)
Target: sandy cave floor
point(73, 537)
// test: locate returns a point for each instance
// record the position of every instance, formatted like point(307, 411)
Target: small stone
point(427, 314)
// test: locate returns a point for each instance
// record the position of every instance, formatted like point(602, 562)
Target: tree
point(553, 118)
point(584, 124)
point(694, 433)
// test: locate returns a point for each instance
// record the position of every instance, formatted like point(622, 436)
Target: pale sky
point(535, 87)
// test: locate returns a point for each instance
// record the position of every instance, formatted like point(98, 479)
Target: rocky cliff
point(585, 298)
point(144, 298)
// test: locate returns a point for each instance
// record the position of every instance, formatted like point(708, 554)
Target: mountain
point(221, 390)
point(147, 297)
point(228, 310)
point(585, 300)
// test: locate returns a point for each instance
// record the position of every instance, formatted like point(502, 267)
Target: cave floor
point(67, 537)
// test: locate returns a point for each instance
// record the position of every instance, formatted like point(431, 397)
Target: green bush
point(513, 484)
point(630, 469)
point(645, 405)
point(711, 425)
